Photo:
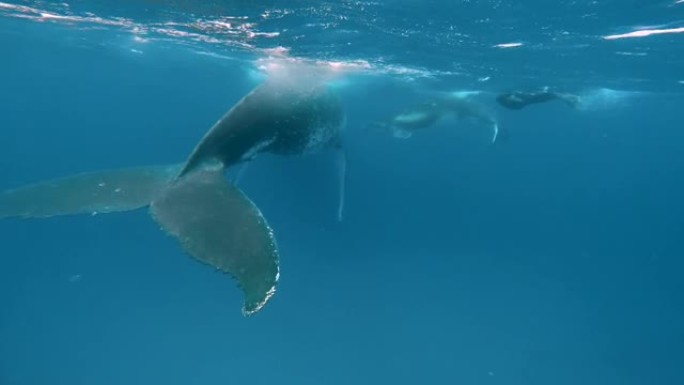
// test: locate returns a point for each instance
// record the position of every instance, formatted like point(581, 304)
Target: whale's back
point(277, 118)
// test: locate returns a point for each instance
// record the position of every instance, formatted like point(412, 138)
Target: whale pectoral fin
point(94, 192)
point(495, 134)
point(218, 225)
point(502, 135)
point(401, 133)
point(241, 168)
point(341, 166)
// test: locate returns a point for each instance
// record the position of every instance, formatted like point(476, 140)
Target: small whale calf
point(458, 105)
point(517, 100)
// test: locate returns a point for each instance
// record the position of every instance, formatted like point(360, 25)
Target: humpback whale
point(212, 219)
point(518, 100)
point(428, 113)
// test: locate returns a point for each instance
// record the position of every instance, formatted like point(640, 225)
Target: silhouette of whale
point(212, 219)
point(438, 107)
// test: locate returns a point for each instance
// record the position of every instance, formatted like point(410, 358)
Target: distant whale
point(517, 100)
point(211, 218)
point(428, 113)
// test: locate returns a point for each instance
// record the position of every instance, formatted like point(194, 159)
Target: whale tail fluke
point(213, 220)
point(217, 224)
point(88, 193)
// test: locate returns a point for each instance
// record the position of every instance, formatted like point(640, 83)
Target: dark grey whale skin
point(275, 118)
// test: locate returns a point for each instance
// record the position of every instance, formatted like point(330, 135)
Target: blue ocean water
point(553, 257)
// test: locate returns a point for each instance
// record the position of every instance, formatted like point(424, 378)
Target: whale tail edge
point(218, 225)
point(212, 220)
point(104, 191)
